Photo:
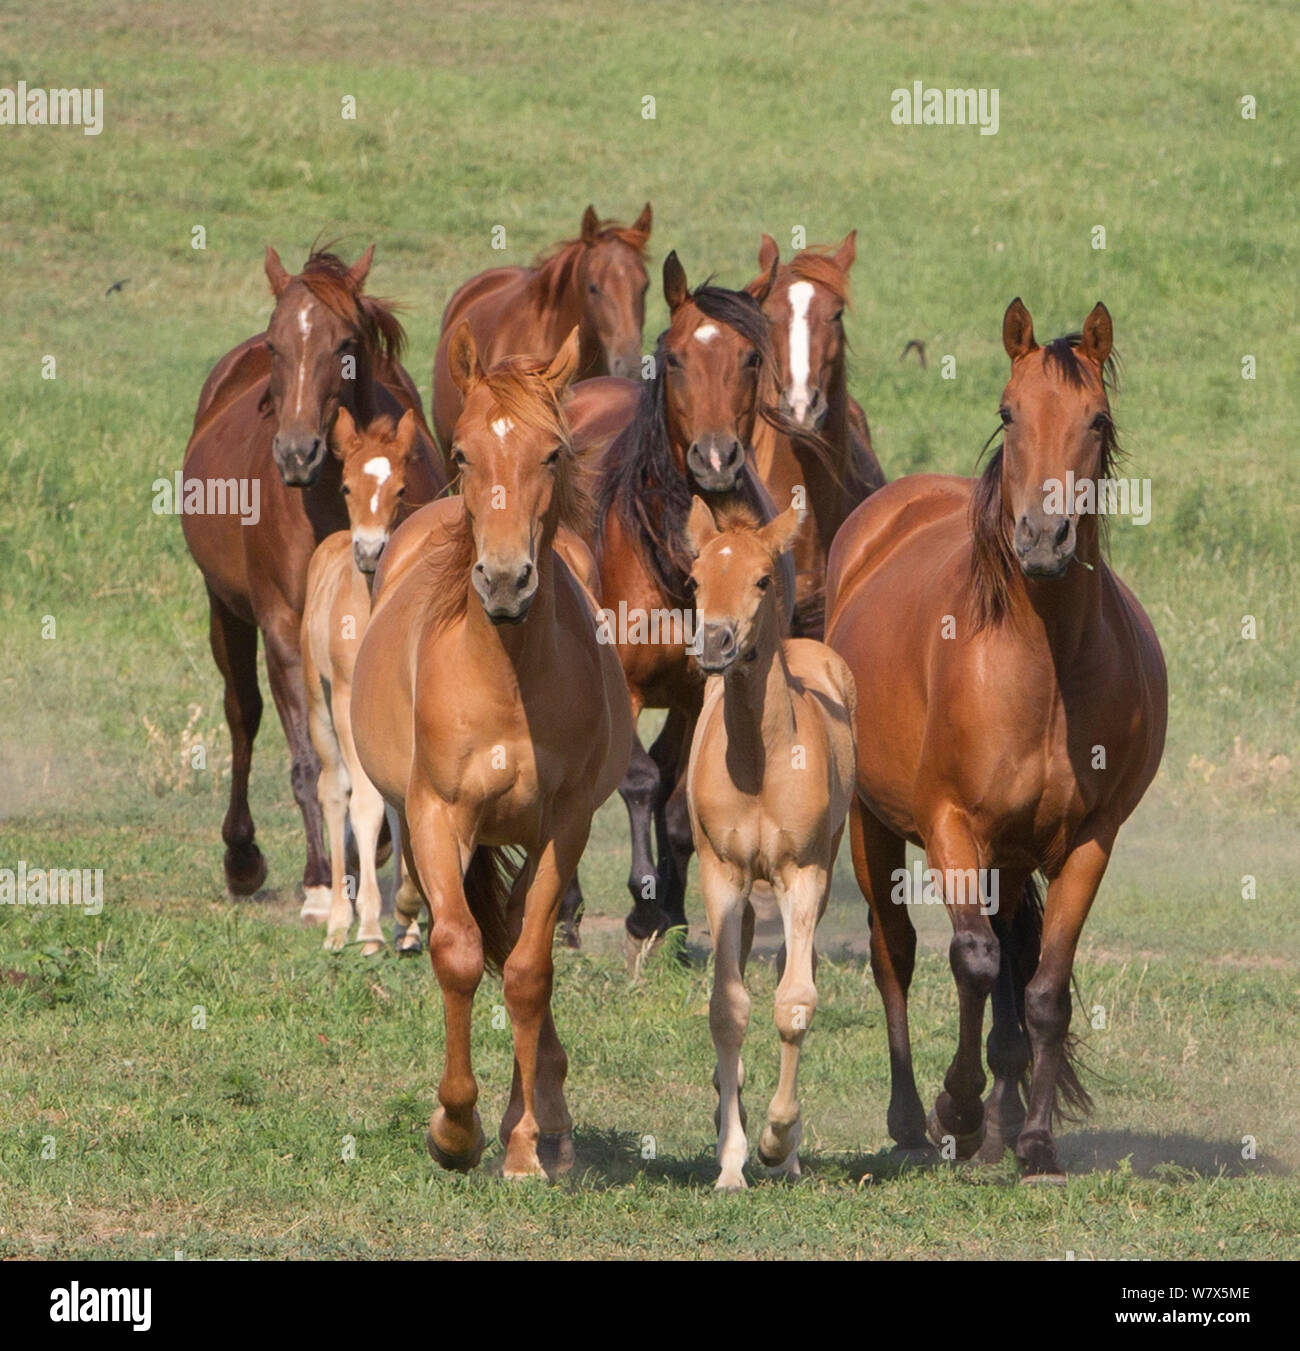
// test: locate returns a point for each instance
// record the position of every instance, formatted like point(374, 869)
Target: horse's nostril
point(524, 574)
point(1061, 531)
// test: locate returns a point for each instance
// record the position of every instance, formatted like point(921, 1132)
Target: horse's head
point(804, 305)
point(514, 454)
point(322, 337)
point(374, 479)
point(712, 355)
point(1056, 423)
point(612, 280)
point(737, 580)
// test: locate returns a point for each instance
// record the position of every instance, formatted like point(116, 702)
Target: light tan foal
point(334, 620)
point(769, 783)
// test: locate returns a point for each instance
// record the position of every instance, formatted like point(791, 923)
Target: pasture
point(186, 1072)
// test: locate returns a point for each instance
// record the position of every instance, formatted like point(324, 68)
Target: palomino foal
point(333, 622)
point(489, 715)
point(769, 783)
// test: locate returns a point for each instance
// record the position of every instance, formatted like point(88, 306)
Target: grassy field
point(127, 1130)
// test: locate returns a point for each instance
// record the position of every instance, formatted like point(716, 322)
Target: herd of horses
point(937, 659)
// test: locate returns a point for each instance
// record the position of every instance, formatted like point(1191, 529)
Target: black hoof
point(245, 871)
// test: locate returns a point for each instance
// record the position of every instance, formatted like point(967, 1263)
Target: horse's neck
point(1067, 609)
point(758, 711)
point(361, 394)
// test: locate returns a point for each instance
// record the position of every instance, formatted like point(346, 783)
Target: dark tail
point(488, 881)
point(1022, 943)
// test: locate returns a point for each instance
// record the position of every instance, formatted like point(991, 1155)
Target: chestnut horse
point(769, 782)
point(596, 281)
point(689, 437)
point(265, 415)
point(334, 618)
point(1011, 714)
point(812, 438)
point(487, 713)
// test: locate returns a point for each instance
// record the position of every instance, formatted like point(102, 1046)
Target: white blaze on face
point(304, 330)
point(502, 427)
point(378, 469)
point(801, 294)
point(706, 333)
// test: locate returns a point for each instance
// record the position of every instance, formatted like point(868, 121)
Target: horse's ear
point(779, 534)
point(360, 270)
point(462, 358)
point(345, 433)
point(676, 291)
point(847, 253)
point(761, 288)
point(700, 527)
point(405, 436)
point(644, 221)
point(564, 366)
point(275, 272)
point(1017, 330)
point(590, 225)
point(769, 255)
point(1097, 335)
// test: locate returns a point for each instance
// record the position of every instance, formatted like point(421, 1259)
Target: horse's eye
point(672, 361)
point(691, 585)
point(837, 316)
point(1005, 415)
point(347, 492)
point(751, 360)
point(270, 348)
point(1099, 423)
point(343, 346)
point(401, 492)
point(763, 583)
point(593, 289)
point(458, 457)
point(552, 459)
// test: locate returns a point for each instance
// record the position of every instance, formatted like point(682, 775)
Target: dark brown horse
point(596, 283)
point(690, 437)
point(1011, 714)
point(812, 443)
point(265, 417)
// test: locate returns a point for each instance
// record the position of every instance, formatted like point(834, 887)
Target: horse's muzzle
point(299, 459)
point(716, 463)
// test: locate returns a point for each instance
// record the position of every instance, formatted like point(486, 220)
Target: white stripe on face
point(304, 329)
point(502, 426)
point(706, 333)
point(378, 469)
point(801, 294)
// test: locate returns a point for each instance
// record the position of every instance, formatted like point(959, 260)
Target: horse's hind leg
point(407, 900)
point(332, 792)
point(877, 856)
point(571, 908)
point(234, 648)
point(802, 902)
point(366, 812)
point(639, 790)
point(674, 841)
point(1008, 1047)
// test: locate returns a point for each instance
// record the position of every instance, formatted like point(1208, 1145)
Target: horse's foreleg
point(234, 648)
point(571, 908)
point(284, 666)
point(877, 856)
point(332, 792)
point(802, 899)
point(366, 812)
point(639, 791)
point(1008, 1047)
point(726, 896)
point(455, 1136)
point(957, 1122)
point(1047, 1003)
point(674, 841)
point(529, 975)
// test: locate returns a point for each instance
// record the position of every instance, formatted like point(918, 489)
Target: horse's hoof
point(455, 1162)
point(961, 1146)
point(992, 1148)
point(636, 951)
point(409, 945)
point(245, 875)
point(570, 937)
point(315, 905)
point(732, 1183)
point(917, 1156)
point(372, 948)
point(1043, 1180)
point(555, 1152)
point(336, 942)
point(781, 1153)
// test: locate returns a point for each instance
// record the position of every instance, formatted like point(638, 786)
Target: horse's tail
point(488, 881)
point(1023, 944)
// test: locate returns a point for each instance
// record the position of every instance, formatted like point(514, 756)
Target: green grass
point(228, 1141)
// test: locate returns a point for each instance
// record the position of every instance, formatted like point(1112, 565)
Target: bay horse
point(689, 438)
point(265, 415)
point(334, 618)
point(812, 439)
point(769, 783)
point(488, 714)
point(597, 281)
point(1012, 707)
